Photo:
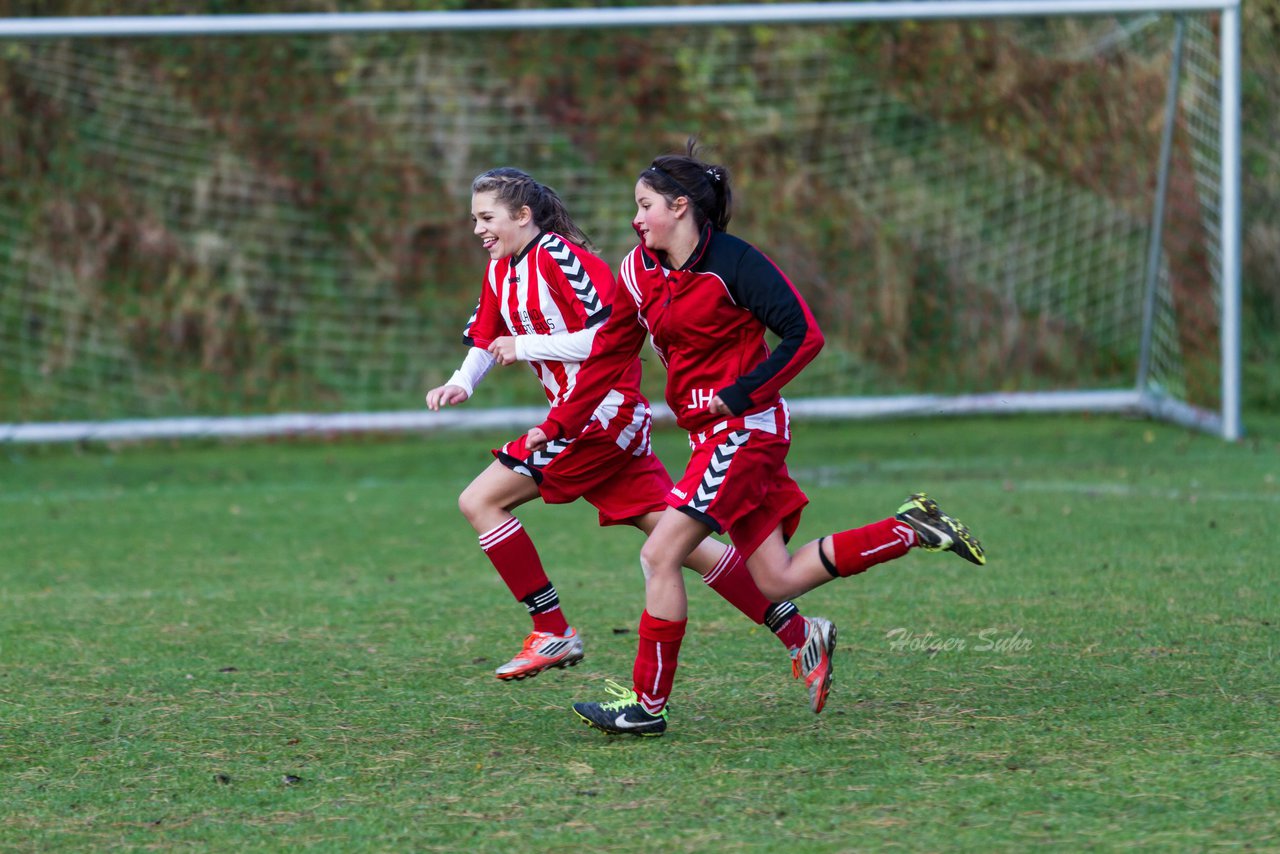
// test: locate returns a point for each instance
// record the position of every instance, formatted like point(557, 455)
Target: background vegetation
point(219, 350)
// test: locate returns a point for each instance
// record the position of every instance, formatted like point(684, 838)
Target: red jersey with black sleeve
point(707, 323)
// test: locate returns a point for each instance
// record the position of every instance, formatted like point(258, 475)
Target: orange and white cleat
point(542, 651)
point(813, 661)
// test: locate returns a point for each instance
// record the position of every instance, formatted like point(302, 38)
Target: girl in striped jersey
point(543, 297)
point(706, 299)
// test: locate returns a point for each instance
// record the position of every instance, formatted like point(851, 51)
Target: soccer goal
point(254, 224)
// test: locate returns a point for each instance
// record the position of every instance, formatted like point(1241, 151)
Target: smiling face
point(501, 233)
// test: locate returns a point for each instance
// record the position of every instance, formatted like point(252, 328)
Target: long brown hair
point(515, 189)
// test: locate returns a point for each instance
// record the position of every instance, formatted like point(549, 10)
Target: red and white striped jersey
point(560, 291)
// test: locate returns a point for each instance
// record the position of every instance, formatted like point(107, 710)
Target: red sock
point(513, 554)
point(731, 579)
point(792, 634)
point(655, 667)
point(862, 548)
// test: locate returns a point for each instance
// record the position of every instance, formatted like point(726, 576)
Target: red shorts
point(616, 482)
point(737, 483)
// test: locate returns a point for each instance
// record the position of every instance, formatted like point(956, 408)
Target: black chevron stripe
point(714, 476)
point(574, 272)
point(546, 455)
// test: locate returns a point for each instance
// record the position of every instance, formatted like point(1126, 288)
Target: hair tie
point(681, 187)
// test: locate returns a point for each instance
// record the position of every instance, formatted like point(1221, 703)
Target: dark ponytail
point(515, 189)
point(705, 185)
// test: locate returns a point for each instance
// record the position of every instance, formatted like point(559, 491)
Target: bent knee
point(473, 504)
point(773, 590)
point(775, 586)
point(657, 560)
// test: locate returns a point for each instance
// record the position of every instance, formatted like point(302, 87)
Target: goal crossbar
point(640, 16)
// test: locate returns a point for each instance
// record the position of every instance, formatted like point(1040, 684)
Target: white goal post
point(1143, 308)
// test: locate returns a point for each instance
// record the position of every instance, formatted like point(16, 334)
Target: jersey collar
point(519, 256)
point(653, 259)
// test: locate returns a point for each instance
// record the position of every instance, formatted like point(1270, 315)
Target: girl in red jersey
point(705, 298)
point(543, 299)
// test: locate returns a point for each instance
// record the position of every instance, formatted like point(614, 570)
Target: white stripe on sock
point(507, 529)
point(728, 559)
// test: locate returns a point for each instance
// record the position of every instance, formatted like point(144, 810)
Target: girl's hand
point(535, 439)
point(504, 349)
point(445, 395)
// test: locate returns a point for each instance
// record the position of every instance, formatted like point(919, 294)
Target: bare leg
point(670, 544)
point(487, 503)
point(488, 500)
point(781, 575)
point(702, 559)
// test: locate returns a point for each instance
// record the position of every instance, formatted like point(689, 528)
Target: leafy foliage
point(275, 105)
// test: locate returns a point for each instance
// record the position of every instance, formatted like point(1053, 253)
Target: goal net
point(209, 233)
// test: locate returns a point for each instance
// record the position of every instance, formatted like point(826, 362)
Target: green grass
point(281, 646)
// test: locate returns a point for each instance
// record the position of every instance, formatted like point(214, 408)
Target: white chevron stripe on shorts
point(543, 458)
point(717, 470)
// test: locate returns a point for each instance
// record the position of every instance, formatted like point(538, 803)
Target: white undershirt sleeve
point(570, 347)
point(474, 367)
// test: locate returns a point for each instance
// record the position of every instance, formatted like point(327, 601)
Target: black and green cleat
point(939, 532)
point(624, 716)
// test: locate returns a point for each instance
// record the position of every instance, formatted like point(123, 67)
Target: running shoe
point(541, 651)
point(813, 660)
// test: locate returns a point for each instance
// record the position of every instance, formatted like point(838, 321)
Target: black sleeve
point(761, 288)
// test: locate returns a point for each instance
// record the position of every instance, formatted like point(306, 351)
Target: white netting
point(252, 225)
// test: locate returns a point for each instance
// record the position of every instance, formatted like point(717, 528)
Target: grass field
point(281, 646)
